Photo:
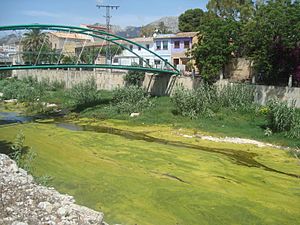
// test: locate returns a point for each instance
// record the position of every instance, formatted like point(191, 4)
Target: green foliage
point(147, 31)
point(237, 97)
point(21, 154)
point(283, 118)
point(235, 9)
point(134, 77)
point(191, 20)
point(84, 94)
point(37, 47)
point(131, 99)
point(208, 99)
point(272, 40)
point(163, 29)
point(295, 153)
point(89, 55)
point(218, 43)
point(24, 91)
point(17, 148)
point(66, 59)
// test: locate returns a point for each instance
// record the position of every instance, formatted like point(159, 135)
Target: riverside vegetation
point(146, 170)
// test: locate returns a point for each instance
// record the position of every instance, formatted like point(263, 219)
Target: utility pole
point(108, 17)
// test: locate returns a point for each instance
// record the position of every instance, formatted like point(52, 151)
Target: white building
point(160, 45)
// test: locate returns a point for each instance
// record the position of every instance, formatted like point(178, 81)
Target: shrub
point(134, 77)
point(57, 85)
point(283, 118)
point(207, 99)
point(21, 154)
point(238, 97)
point(23, 90)
point(84, 93)
point(131, 99)
point(17, 148)
point(191, 103)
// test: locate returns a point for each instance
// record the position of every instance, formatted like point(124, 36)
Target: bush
point(57, 85)
point(238, 97)
point(192, 103)
point(22, 90)
point(134, 77)
point(207, 99)
point(131, 99)
point(21, 154)
point(84, 94)
point(282, 118)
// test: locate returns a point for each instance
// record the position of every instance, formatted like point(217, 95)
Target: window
point(177, 44)
point(148, 61)
point(165, 45)
point(176, 62)
point(116, 60)
point(186, 44)
point(157, 62)
point(158, 45)
point(148, 46)
point(131, 47)
point(140, 48)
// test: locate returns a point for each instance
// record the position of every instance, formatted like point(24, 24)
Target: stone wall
point(157, 85)
point(265, 93)
point(239, 69)
point(106, 80)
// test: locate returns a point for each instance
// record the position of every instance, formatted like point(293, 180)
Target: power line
point(108, 26)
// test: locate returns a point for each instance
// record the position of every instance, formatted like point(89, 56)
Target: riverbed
point(152, 175)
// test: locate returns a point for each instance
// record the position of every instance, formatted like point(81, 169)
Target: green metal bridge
point(110, 39)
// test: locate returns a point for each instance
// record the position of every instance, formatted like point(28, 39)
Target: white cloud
point(35, 13)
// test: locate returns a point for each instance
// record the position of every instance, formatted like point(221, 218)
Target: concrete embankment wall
point(155, 84)
point(106, 80)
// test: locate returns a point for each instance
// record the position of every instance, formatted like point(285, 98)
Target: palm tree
point(35, 46)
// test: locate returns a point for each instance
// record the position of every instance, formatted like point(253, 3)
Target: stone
point(62, 211)
point(11, 101)
point(19, 223)
point(26, 202)
point(134, 114)
point(46, 206)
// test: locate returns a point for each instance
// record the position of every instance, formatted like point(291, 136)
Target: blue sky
point(76, 12)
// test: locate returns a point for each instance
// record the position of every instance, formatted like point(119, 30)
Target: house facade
point(173, 48)
point(128, 58)
point(67, 42)
point(181, 43)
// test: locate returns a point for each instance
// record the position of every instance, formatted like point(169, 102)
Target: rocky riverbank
point(23, 202)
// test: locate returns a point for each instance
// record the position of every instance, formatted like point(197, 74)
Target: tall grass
point(84, 94)
point(130, 99)
point(283, 118)
point(208, 99)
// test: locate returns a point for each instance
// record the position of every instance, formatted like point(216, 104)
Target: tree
point(35, 45)
point(89, 55)
point(235, 9)
point(219, 42)
point(162, 28)
point(147, 31)
point(191, 20)
point(272, 40)
point(134, 77)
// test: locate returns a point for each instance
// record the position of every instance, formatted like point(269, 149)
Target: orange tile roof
point(70, 35)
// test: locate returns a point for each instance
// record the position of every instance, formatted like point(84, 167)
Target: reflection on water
point(13, 117)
